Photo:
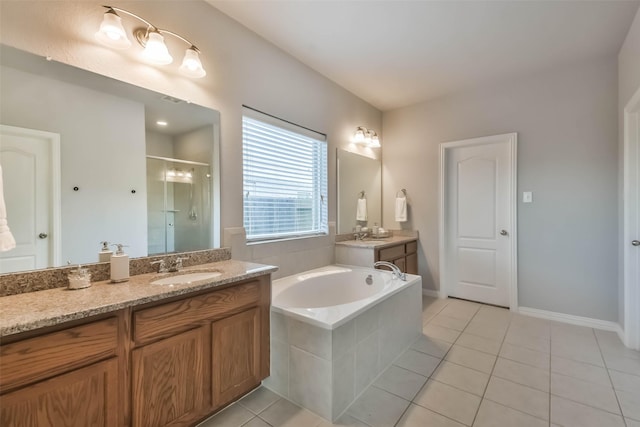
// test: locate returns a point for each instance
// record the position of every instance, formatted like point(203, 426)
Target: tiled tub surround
point(33, 310)
point(50, 278)
point(325, 367)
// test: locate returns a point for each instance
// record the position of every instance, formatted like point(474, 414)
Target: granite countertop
point(33, 310)
point(369, 243)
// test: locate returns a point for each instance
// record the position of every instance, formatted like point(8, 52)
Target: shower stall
point(178, 205)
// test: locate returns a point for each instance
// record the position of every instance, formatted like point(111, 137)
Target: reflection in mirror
point(75, 147)
point(356, 174)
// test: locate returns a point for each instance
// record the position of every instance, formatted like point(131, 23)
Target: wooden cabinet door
point(169, 380)
point(84, 397)
point(400, 262)
point(236, 356)
point(412, 263)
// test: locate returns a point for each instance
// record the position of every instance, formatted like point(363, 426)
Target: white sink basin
point(182, 279)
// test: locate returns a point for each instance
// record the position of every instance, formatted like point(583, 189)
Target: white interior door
point(30, 166)
point(478, 214)
point(631, 237)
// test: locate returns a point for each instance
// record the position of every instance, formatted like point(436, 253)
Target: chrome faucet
point(395, 270)
point(162, 268)
point(176, 264)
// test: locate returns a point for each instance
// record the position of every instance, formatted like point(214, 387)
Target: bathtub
point(335, 329)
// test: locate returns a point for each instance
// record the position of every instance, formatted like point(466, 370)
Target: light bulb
point(191, 65)
point(375, 141)
point(111, 32)
point(155, 51)
point(358, 137)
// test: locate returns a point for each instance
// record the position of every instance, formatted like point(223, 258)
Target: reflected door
point(30, 167)
point(478, 222)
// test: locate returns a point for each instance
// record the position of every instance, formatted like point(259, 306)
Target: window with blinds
point(284, 178)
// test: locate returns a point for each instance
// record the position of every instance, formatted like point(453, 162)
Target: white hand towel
point(7, 242)
point(401, 209)
point(361, 210)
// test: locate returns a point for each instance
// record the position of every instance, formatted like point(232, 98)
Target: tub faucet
point(395, 270)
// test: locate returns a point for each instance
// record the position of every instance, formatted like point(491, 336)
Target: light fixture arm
point(150, 27)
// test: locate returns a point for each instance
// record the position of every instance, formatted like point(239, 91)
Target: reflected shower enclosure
point(178, 205)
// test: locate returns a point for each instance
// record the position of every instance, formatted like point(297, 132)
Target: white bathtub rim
point(333, 317)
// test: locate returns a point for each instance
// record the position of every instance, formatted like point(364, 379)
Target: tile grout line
point(429, 377)
point(624, 420)
point(492, 368)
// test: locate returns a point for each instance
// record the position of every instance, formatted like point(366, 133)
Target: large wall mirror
point(359, 191)
point(86, 159)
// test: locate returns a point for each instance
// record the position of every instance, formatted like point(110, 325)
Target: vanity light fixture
point(161, 123)
point(367, 137)
point(151, 38)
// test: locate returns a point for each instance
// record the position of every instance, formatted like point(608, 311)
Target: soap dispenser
point(105, 253)
point(119, 265)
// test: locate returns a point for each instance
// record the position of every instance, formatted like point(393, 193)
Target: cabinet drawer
point(34, 359)
point(412, 247)
point(389, 254)
point(174, 317)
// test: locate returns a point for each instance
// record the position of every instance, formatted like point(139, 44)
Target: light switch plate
point(527, 197)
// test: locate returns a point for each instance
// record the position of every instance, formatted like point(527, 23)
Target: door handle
point(504, 233)
point(635, 242)
point(43, 235)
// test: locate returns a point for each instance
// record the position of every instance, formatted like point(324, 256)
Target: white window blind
point(284, 178)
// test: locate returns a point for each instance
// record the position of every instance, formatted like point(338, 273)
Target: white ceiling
point(395, 53)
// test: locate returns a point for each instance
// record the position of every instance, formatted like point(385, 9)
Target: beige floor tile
point(259, 400)
point(448, 401)
point(584, 392)
point(378, 408)
point(256, 422)
point(433, 304)
point(491, 330)
point(470, 358)
point(630, 404)
point(532, 342)
point(417, 416)
point(460, 310)
point(449, 322)
point(400, 382)
point(582, 351)
point(344, 421)
point(572, 414)
point(415, 361)
point(232, 416)
point(524, 355)
point(623, 364)
point(580, 370)
point(493, 414)
point(440, 333)
point(519, 397)
point(632, 423)
point(476, 342)
point(610, 344)
point(624, 381)
point(431, 346)
point(287, 414)
point(522, 374)
point(464, 378)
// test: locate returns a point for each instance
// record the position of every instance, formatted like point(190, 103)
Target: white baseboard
point(430, 293)
point(604, 325)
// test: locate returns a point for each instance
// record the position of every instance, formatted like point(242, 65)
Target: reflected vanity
point(100, 165)
point(358, 174)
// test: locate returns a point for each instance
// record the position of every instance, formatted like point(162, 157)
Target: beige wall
point(566, 121)
point(242, 69)
point(628, 84)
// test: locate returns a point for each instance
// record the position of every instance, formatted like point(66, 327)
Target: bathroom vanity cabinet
point(401, 251)
point(168, 363)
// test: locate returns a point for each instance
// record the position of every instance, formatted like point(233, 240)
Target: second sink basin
point(182, 279)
